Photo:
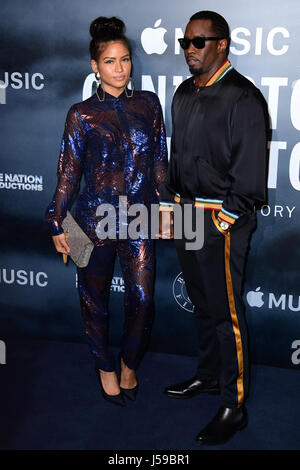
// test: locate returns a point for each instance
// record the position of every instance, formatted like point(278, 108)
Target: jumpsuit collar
point(108, 96)
point(219, 73)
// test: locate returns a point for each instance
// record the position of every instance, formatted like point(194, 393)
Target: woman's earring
point(129, 93)
point(98, 80)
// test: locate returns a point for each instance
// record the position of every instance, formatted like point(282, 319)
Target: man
point(218, 162)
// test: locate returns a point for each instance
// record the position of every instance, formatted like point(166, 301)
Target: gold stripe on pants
point(234, 318)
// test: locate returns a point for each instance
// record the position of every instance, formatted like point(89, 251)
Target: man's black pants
point(214, 280)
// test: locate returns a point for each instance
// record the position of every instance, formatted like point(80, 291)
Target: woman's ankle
point(110, 382)
point(128, 377)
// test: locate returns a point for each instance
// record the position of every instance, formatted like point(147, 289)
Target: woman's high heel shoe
point(115, 399)
point(128, 392)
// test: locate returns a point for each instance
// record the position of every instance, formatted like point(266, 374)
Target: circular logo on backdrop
point(181, 295)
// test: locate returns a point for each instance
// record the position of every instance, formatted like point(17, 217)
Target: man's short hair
point(219, 24)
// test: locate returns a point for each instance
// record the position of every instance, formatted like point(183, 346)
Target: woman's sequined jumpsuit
point(119, 145)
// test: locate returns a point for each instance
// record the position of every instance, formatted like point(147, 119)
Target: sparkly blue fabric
point(137, 263)
point(119, 146)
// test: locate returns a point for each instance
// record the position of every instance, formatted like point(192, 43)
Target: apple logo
point(254, 298)
point(153, 39)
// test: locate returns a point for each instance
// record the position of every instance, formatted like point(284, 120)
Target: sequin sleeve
point(167, 192)
point(160, 148)
point(69, 171)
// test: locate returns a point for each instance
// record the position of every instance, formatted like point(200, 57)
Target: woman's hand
point(166, 225)
point(60, 243)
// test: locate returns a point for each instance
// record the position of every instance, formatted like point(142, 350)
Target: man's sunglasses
point(198, 41)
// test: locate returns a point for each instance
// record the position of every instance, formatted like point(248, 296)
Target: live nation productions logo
point(117, 284)
point(21, 182)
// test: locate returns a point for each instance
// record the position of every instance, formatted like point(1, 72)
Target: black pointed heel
point(115, 399)
point(128, 392)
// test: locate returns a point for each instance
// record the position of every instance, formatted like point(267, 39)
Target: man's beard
point(196, 71)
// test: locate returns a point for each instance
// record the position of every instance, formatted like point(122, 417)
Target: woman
point(116, 139)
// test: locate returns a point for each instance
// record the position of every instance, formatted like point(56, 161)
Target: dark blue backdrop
point(45, 68)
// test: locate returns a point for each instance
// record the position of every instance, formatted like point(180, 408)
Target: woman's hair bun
point(104, 30)
point(103, 26)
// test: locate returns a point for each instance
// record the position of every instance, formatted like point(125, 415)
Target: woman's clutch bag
point(80, 245)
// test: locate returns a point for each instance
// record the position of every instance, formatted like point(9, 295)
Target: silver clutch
point(80, 245)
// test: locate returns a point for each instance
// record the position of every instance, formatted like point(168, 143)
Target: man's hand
point(225, 226)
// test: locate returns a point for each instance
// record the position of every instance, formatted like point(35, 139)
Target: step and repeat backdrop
point(45, 68)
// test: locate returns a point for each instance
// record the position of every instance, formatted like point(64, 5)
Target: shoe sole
point(185, 397)
point(109, 400)
point(207, 443)
point(130, 396)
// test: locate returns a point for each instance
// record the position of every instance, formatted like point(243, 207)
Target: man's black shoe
point(192, 387)
point(223, 426)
